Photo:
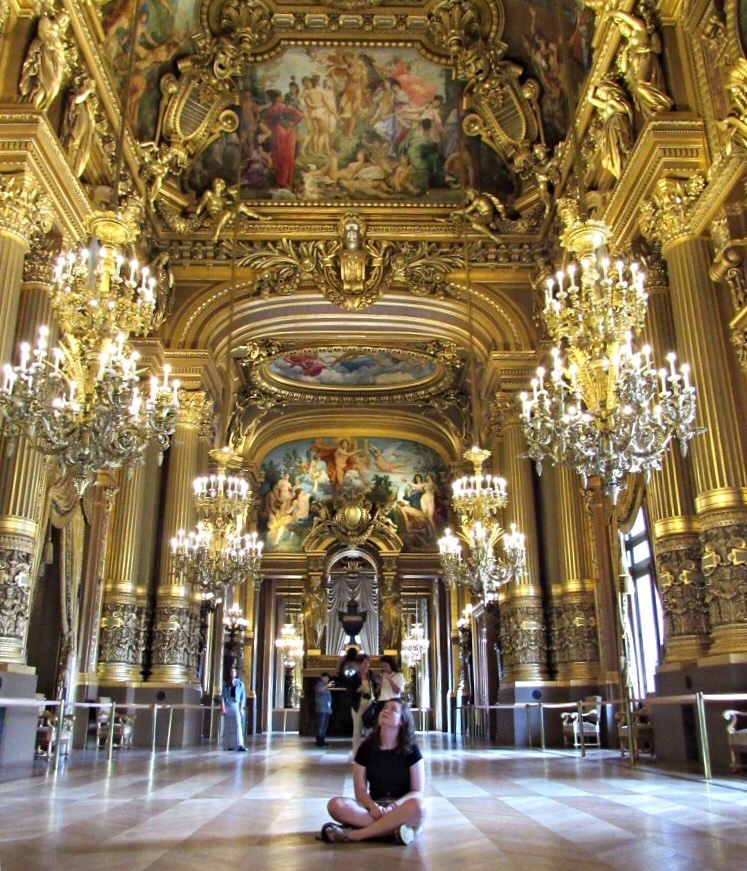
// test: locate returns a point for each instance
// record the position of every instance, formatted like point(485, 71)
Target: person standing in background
point(323, 699)
point(233, 707)
point(390, 680)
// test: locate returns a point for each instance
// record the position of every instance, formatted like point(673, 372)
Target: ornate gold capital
point(25, 212)
point(665, 217)
point(195, 409)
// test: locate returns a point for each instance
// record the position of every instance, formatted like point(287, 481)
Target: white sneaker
point(405, 834)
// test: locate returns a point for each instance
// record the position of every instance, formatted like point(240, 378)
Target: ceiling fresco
point(346, 368)
point(345, 124)
point(402, 478)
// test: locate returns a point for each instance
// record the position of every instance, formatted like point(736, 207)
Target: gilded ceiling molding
point(28, 143)
point(354, 271)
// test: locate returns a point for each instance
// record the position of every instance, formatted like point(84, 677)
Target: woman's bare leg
point(350, 813)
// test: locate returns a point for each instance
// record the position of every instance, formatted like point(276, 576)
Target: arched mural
point(401, 476)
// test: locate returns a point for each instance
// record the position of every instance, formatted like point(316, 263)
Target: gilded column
point(120, 650)
point(522, 618)
point(22, 480)
point(671, 509)
point(177, 608)
point(574, 631)
point(23, 217)
point(718, 455)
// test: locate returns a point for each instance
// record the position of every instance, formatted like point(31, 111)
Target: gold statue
point(352, 257)
point(616, 114)
point(314, 613)
point(220, 203)
point(79, 127)
point(46, 64)
point(481, 211)
point(639, 63)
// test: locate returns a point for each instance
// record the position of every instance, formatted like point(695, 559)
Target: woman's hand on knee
point(376, 811)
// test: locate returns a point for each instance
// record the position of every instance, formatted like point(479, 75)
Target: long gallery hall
point(373, 359)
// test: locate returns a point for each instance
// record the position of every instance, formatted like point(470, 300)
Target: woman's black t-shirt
point(387, 771)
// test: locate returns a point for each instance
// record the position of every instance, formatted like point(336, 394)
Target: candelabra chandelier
point(605, 410)
point(476, 499)
point(290, 645)
point(415, 645)
point(81, 401)
point(218, 554)
point(234, 620)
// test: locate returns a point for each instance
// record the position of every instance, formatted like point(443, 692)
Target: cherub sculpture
point(222, 206)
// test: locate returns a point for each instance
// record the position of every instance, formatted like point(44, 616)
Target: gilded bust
point(352, 258)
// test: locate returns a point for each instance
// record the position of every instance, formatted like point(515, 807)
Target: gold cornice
point(350, 422)
point(672, 143)
point(28, 143)
point(196, 370)
point(671, 11)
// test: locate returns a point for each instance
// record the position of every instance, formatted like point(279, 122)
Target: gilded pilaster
point(718, 455)
point(314, 606)
point(671, 509)
point(22, 480)
point(390, 609)
point(522, 620)
point(574, 630)
point(177, 610)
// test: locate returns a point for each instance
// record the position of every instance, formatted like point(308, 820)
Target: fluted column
point(718, 456)
point(522, 616)
point(120, 651)
point(671, 509)
point(177, 608)
point(22, 479)
point(574, 630)
point(23, 211)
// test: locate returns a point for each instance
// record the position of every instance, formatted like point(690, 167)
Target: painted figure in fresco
point(386, 462)
point(616, 115)
point(46, 63)
point(639, 64)
point(314, 612)
point(351, 71)
point(424, 155)
point(414, 491)
point(282, 121)
point(339, 459)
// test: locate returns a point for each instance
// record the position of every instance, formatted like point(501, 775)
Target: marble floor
point(487, 808)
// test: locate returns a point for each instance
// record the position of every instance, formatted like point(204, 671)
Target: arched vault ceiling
point(216, 315)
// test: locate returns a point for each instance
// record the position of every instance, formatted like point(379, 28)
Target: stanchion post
point(581, 735)
point(703, 730)
point(58, 733)
point(110, 742)
point(155, 725)
point(542, 726)
point(168, 732)
point(529, 724)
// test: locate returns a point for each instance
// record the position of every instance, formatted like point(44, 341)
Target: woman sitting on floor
point(388, 778)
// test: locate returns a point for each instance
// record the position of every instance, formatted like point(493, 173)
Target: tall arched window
point(646, 629)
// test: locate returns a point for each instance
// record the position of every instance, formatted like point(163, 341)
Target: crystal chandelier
point(415, 645)
point(476, 499)
point(234, 621)
point(289, 645)
point(81, 401)
point(604, 409)
point(218, 554)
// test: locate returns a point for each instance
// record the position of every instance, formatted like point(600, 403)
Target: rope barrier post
point(58, 734)
point(703, 733)
point(582, 737)
point(543, 745)
point(168, 732)
point(529, 724)
point(155, 724)
point(110, 741)
point(632, 736)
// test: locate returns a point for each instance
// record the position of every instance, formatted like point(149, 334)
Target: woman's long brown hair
point(406, 737)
